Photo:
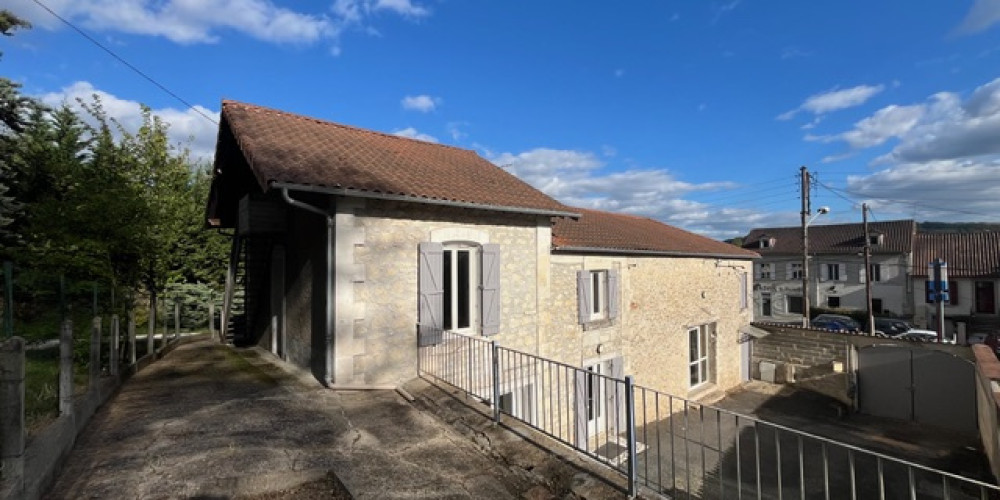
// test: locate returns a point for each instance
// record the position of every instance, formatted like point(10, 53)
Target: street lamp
point(805, 261)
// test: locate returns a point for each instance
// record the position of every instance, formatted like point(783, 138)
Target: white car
point(924, 335)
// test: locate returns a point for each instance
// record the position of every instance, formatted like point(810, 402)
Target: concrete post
point(113, 346)
point(66, 368)
point(211, 318)
point(12, 412)
point(95, 353)
point(150, 347)
point(131, 337)
point(177, 320)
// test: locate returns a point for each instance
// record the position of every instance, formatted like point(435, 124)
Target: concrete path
point(211, 422)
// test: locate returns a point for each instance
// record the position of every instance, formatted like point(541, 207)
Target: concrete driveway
point(212, 422)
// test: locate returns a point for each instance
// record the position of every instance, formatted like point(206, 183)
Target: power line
point(126, 63)
point(914, 204)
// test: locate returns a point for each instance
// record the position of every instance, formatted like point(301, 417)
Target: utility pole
point(806, 210)
point(868, 269)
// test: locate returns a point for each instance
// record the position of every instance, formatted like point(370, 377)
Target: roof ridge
point(322, 121)
point(841, 224)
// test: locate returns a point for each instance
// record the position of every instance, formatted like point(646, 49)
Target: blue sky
point(698, 114)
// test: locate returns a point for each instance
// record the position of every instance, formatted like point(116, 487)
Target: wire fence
point(671, 445)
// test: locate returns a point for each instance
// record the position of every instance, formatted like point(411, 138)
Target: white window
point(831, 272)
point(597, 295)
point(794, 271)
point(875, 272)
point(766, 271)
point(461, 284)
point(698, 357)
point(765, 243)
point(875, 239)
point(459, 289)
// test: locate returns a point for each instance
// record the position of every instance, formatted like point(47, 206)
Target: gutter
point(330, 263)
point(354, 193)
point(652, 253)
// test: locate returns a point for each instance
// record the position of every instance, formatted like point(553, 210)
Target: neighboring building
point(346, 239)
point(973, 279)
point(837, 273)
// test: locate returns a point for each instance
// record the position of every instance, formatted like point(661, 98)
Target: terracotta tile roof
point(605, 231)
point(288, 148)
point(969, 255)
point(834, 238)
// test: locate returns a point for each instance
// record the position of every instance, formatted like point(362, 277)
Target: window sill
point(598, 324)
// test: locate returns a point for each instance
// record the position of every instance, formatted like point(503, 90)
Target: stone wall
point(661, 298)
point(376, 342)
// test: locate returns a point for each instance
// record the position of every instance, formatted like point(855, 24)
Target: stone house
point(837, 272)
point(973, 278)
point(345, 240)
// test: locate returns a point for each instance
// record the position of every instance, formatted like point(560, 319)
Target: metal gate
point(922, 385)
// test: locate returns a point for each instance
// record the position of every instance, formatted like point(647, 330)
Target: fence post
point(211, 318)
point(150, 347)
point(8, 297)
point(131, 337)
point(12, 413)
point(95, 353)
point(633, 480)
point(113, 347)
point(496, 381)
point(66, 368)
point(177, 320)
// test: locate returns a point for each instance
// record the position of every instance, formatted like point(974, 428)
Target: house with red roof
point(973, 261)
point(350, 244)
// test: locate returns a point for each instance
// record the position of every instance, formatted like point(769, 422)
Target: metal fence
point(672, 445)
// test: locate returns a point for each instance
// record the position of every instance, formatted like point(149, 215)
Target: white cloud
point(187, 128)
point(834, 100)
point(578, 178)
point(204, 21)
point(945, 127)
point(982, 15)
point(413, 133)
point(457, 130)
point(422, 103)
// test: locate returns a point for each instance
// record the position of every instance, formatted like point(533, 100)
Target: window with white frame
point(597, 295)
point(833, 272)
point(461, 282)
point(699, 356)
point(458, 288)
point(794, 270)
point(766, 271)
point(875, 272)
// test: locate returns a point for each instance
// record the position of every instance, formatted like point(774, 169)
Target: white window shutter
point(431, 290)
point(615, 393)
point(788, 271)
point(841, 272)
point(614, 293)
point(824, 272)
point(583, 295)
point(580, 407)
point(862, 274)
point(491, 289)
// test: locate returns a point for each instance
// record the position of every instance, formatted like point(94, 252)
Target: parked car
point(924, 335)
point(891, 326)
point(836, 322)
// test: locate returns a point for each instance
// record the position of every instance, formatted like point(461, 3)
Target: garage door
point(922, 385)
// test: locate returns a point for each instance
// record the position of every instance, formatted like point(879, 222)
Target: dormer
point(765, 241)
point(876, 238)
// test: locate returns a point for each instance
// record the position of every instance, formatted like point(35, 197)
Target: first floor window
point(876, 306)
point(698, 355)
point(461, 281)
point(765, 304)
point(875, 272)
point(766, 271)
point(833, 302)
point(794, 271)
point(597, 296)
point(794, 304)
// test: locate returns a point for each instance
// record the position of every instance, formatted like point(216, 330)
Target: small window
point(875, 272)
point(877, 306)
point(833, 302)
point(765, 243)
point(794, 304)
point(795, 271)
point(874, 239)
point(598, 294)
point(698, 359)
point(766, 271)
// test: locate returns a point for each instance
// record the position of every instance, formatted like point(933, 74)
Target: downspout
point(330, 325)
